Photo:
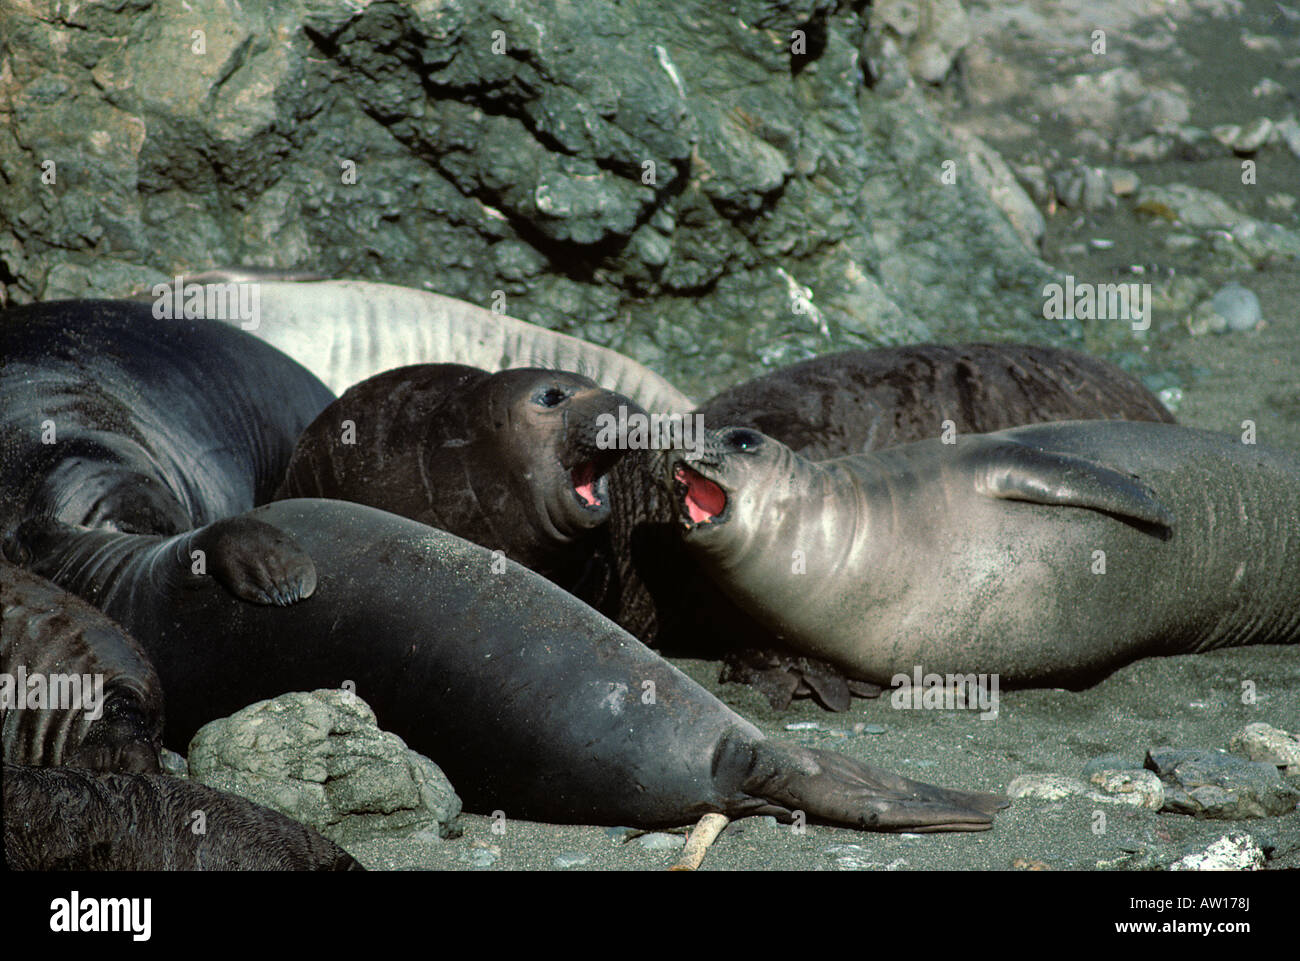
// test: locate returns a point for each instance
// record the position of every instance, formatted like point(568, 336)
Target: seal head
point(511, 460)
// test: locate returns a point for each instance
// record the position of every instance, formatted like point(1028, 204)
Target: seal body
point(110, 417)
point(56, 643)
point(59, 819)
point(508, 460)
point(832, 406)
point(862, 400)
point(348, 330)
point(532, 703)
point(1047, 554)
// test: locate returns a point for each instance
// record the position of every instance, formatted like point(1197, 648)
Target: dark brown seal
point(56, 644)
point(59, 819)
point(507, 460)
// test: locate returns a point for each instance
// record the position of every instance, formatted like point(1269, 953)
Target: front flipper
point(837, 789)
point(253, 560)
point(1018, 472)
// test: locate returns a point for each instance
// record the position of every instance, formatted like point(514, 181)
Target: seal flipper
point(837, 789)
point(253, 560)
point(1015, 471)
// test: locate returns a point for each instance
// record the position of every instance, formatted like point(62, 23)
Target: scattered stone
point(992, 175)
point(870, 728)
point(321, 759)
point(803, 726)
point(1253, 136)
point(1288, 131)
point(1263, 742)
point(1238, 306)
point(480, 856)
point(1111, 762)
point(1220, 786)
point(1123, 182)
point(622, 835)
point(1226, 133)
point(1194, 208)
point(854, 857)
point(1139, 788)
point(571, 859)
point(661, 842)
point(1171, 397)
point(1162, 110)
point(173, 763)
point(1232, 852)
point(1046, 787)
point(1083, 188)
point(1268, 87)
point(1029, 864)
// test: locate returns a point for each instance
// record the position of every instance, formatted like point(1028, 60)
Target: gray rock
point(1137, 788)
point(321, 759)
point(1045, 787)
point(661, 842)
point(1238, 306)
point(1232, 852)
point(571, 859)
point(1257, 240)
point(1220, 786)
point(1263, 742)
point(518, 161)
point(173, 763)
point(1288, 131)
point(1253, 136)
point(1110, 762)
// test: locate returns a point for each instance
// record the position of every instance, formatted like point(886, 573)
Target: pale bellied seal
point(507, 460)
point(110, 417)
point(532, 703)
point(1047, 554)
point(347, 330)
point(830, 406)
point(55, 646)
point(59, 819)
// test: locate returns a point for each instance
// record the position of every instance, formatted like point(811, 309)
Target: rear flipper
point(836, 789)
point(253, 560)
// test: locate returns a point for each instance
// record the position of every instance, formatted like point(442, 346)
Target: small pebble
point(1263, 742)
point(1046, 787)
point(661, 842)
point(803, 726)
point(1253, 136)
point(1138, 788)
point(571, 859)
point(1237, 305)
point(480, 857)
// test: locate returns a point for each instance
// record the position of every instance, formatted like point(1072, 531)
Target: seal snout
point(702, 501)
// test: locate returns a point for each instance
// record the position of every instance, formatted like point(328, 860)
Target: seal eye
point(552, 397)
point(743, 439)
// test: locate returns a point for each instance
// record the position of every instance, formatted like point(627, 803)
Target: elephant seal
point(59, 819)
point(1048, 554)
point(861, 400)
point(347, 330)
point(532, 703)
point(110, 417)
point(831, 406)
point(507, 460)
point(56, 637)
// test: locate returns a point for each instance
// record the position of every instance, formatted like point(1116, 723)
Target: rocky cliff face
point(710, 187)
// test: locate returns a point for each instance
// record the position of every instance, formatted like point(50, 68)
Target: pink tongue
point(584, 482)
point(704, 499)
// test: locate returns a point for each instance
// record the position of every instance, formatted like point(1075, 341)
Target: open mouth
point(704, 501)
point(589, 484)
